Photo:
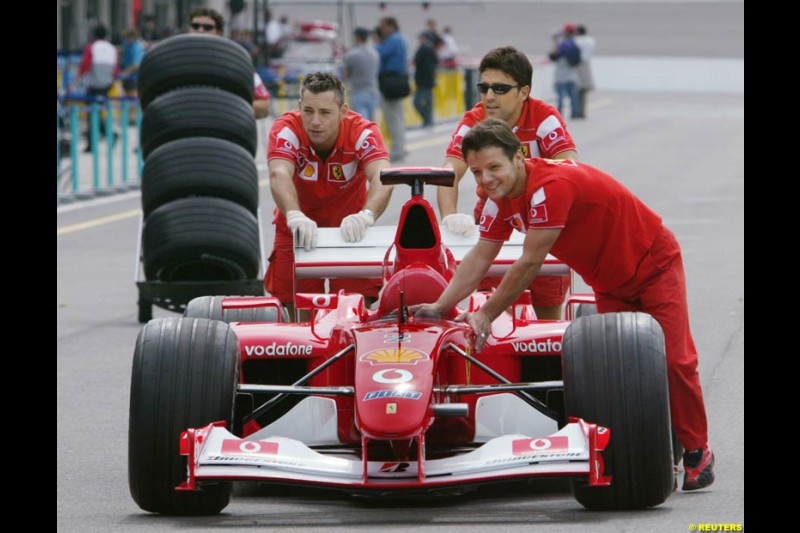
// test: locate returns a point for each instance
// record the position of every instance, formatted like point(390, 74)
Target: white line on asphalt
point(82, 204)
point(98, 222)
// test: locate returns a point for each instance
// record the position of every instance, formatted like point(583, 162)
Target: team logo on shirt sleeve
point(488, 215)
point(552, 133)
point(365, 143)
point(287, 141)
point(458, 138)
point(538, 210)
point(526, 150)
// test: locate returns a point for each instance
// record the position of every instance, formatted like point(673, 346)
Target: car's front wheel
point(615, 375)
point(184, 375)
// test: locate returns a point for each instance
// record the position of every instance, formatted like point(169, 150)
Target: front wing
point(215, 454)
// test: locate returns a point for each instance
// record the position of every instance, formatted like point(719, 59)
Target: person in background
point(394, 64)
point(425, 63)
point(149, 32)
point(273, 35)
point(361, 70)
point(207, 21)
point(586, 43)
point(506, 75)
point(449, 50)
point(566, 55)
point(132, 53)
point(324, 171)
point(432, 33)
point(594, 224)
point(98, 69)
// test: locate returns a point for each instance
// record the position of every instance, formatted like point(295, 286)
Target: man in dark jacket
point(425, 63)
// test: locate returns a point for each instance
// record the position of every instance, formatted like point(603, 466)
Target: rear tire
point(184, 376)
point(615, 375)
point(211, 307)
point(585, 310)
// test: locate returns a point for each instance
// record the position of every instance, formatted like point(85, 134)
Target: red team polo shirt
point(605, 230)
point(328, 190)
point(540, 129)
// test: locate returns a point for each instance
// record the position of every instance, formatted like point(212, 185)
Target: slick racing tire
point(200, 239)
point(198, 112)
point(186, 60)
point(199, 166)
point(677, 447)
point(615, 375)
point(582, 310)
point(184, 375)
point(211, 307)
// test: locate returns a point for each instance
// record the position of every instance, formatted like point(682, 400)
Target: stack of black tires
point(199, 184)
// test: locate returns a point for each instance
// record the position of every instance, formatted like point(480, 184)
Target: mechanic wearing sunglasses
point(505, 88)
point(206, 21)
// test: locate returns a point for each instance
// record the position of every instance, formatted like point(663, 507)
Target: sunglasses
point(206, 27)
point(497, 88)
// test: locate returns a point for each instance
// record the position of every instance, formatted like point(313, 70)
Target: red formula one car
point(377, 401)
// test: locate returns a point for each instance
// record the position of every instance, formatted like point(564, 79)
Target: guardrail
point(102, 165)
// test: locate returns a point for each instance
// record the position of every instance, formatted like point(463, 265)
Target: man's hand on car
point(303, 228)
point(354, 227)
point(460, 224)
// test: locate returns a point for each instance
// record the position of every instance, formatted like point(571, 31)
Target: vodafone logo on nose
point(249, 447)
point(543, 444)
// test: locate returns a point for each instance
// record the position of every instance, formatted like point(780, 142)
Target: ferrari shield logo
point(337, 174)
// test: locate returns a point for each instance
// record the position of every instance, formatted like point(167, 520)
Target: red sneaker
point(699, 468)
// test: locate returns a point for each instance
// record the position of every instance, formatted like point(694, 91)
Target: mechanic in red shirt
point(505, 87)
point(321, 159)
point(204, 20)
point(599, 228)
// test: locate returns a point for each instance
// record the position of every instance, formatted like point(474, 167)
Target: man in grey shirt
point(361, 71)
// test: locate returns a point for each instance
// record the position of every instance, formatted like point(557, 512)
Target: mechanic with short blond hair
point(325, 163)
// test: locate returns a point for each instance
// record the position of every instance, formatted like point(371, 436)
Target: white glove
point(303, 228)
point(460, 224)
point(354, 227)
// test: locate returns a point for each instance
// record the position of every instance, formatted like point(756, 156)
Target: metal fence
point(90, 164)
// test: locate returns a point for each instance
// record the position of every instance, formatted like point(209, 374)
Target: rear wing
point(336, 258)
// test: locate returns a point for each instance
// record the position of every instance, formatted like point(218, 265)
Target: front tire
point(184, 376)
point(615, 375)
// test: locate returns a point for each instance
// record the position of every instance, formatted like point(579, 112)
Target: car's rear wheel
point(184, 376)
point(211, 307)
point(615, 375)
point(585, 310)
